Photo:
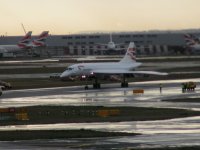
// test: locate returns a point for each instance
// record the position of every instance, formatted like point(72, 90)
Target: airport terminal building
point(149, 43)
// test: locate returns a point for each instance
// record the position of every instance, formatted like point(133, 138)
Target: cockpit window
point(69, 68)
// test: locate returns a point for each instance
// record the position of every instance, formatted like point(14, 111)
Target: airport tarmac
point(109, 95)
point(47, 75)
point(173, 132)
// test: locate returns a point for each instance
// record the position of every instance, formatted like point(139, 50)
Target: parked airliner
point(125, 66)
point(110, 45)
point(192, 43)
point(40, 41)
point(24, 43)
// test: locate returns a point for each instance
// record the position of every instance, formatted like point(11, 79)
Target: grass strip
point(56, 134)
point(169, 148)
point(82, 114)
point(189, 100)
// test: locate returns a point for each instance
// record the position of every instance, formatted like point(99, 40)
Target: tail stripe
point(189, 39)
point(26, 37)
point(130, 56)
point(132, 53)
point(43, 35)
point(41, 40)
point(25, 41)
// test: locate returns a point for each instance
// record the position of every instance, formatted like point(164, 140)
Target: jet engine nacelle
point(111, 45)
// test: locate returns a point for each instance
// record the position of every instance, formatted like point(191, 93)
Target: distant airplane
point(23, 44)
point(40, 41)
point(111, 45)
point(192, 43)
point(125, 66)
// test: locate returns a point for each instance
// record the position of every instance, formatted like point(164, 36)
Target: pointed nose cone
point(64, 75)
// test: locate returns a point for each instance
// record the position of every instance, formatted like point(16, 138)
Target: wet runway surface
point(107, 96)
point(173, 132)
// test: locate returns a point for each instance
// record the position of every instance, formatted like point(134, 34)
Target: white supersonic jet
point(123, 67)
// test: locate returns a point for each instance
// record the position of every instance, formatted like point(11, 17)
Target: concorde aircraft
point(125, 66)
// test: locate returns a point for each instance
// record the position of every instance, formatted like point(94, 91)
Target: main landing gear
point(96, 85)
point(86, 87)
point(124, 83)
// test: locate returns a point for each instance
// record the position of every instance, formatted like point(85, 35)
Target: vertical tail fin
point(189, 39)
point(25, 41)
point(27, 37)
point(110, 37)
point(40, 41)
point(44, 34)
point(130, 55)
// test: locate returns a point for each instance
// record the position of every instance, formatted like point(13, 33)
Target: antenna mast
point(23, 28)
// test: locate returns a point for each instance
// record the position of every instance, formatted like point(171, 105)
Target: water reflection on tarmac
point(107, 96)
point(173, 132)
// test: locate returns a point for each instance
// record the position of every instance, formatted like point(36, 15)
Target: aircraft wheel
point(86, 87)
point(124, 84)
point(1, 92)
point(96, 86)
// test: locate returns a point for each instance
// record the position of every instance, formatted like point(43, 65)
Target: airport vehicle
point(5, 85)
point(110, 45)
point(125, 66)
point(24, 43)
point(192, 43)
point(54, 76)
point(188, 86)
